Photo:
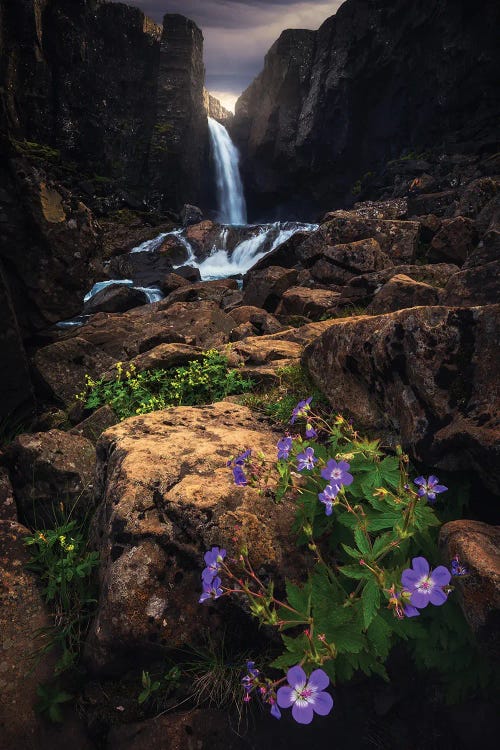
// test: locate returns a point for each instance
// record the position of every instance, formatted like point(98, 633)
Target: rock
point(431, 203)
point(200, 729)
point(395, 208)
point(268, 375)
point(146, 269)
point(171, 282)
point(455, 240)
point(8, 510)
point(48, 470)
point(262, 321)
point(165, 496)
point(242, 331)
point(214, 108)
point(265, 287)
point(190, 273)
point(62, 366)
point(165, 356)
point(125, 231)
point(286, 255)
point(115, 298)
point(260, 350)
point(312, 303)
point(477, 195)
point(93, 427)
point(401, 292)
point(191, 215)
point(478, 548)
point(474, 286)
point(360, 244)
point(324, 272)
point(214, 291)
point(22, 614)
point(422, 376)
point(172, 249)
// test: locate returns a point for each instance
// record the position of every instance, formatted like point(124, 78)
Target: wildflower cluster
point(361, 523)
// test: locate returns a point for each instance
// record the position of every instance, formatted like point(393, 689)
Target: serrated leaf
point(379, 635)
point(299, 597)
point(354, 553)
point(387, 520)
point(347, 640)
point(389, 471)
point(355, 571)
point(286, 660)
point(370, 601)
point(362, 541)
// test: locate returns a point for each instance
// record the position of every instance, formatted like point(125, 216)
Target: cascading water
point(230, 196)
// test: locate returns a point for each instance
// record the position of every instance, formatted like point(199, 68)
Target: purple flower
point(423, 586)
point(284, 447)
point(239, 476)
point(301, 409)
point(337, 473)
point(251, 678)
point(274, 709)
point(457, 568)
point(240, 460)
point(328, 496)
point(305, 697)
point(400, 605)
point(211, 590)
point(429, 487)
point(212, 558)
point(306, 460)
point(310, 431)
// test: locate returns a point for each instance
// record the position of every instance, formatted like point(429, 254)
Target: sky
point(238, 34)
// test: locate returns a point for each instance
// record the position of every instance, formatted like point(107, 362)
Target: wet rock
point(422, 376)
point(165, 496)
point(478, 548)
point(312, 303)
point(474, 286)
point(146, 269)
point(190, 215)
point(93, 427)
point(171, 282)
point(22, 613)
point(124, 232)
point(172, 249)
point(367, 244)
point(190, 273)
point(49, 470)
point(261, 321)
point(285, 255)
point(400, 292)
point(265, 287)
point(115, 298)
point(62, 366)
point(455, 240)
point(214, 291)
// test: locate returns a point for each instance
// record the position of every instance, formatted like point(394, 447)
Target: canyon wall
point(379, 79)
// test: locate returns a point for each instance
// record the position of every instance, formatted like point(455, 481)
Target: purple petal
point(410, 611)
point(303, 714)
point(419, 599)
point(319, 680)
point(441, 576)
point(296, 676)
point(409, 579)
point(284, 697)
point(323, 703)
point(420, 566)
point(275, 711)
point(421, 492)
point(439, 488)
point(437, 597)
point(347, 479)
point(204, 597)
point(420, 480)
point(432, 480)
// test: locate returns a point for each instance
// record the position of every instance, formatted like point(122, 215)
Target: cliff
point(214, 108)
point(379, 79)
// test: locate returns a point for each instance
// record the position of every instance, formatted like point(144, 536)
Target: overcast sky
point(239, 33)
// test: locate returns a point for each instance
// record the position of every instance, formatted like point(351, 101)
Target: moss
point(161, 128)
point(37, 151)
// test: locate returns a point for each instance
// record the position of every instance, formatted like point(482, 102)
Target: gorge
point(174, 281)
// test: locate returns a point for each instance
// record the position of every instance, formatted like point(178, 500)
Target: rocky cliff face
point(214, 108)
point(379, 79)
point(101, 110)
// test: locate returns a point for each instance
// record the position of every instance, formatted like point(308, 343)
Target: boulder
point(190, 215)
point(455, 240)
point(214, 291)
point(312, 303)
point(93, 427)
point(115, 298)
point(477, 195)
point(401, 292)
point(259, 350)
point(165, 356)
point(22, 614)
point(171, 282)
point(424, 376)
point(265, 287)
point(479, 285)
point(146, 269)
point(478, 547)
point(391, 242)
point(49, 470)
point(165, 495)
point(261, 321)
point(431, 203)
point(190, 273)
point(394, 208)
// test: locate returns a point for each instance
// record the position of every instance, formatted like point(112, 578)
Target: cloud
point(238, 33)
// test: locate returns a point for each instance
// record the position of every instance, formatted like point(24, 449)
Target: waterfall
point(230, 197)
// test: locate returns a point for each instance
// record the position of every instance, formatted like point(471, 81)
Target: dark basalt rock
point(378, 79)
point(115, 298)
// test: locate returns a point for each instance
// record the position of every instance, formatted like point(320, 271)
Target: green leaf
point(370, 600)
point(299, 598)
point(379, 636)
point(348, 640)
point(355, 571)
point(354, 553)
point(362, 541)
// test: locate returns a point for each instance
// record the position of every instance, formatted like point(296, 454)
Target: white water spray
point(230, 196)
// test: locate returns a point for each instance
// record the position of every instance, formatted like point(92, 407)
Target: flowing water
point(230, 196)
